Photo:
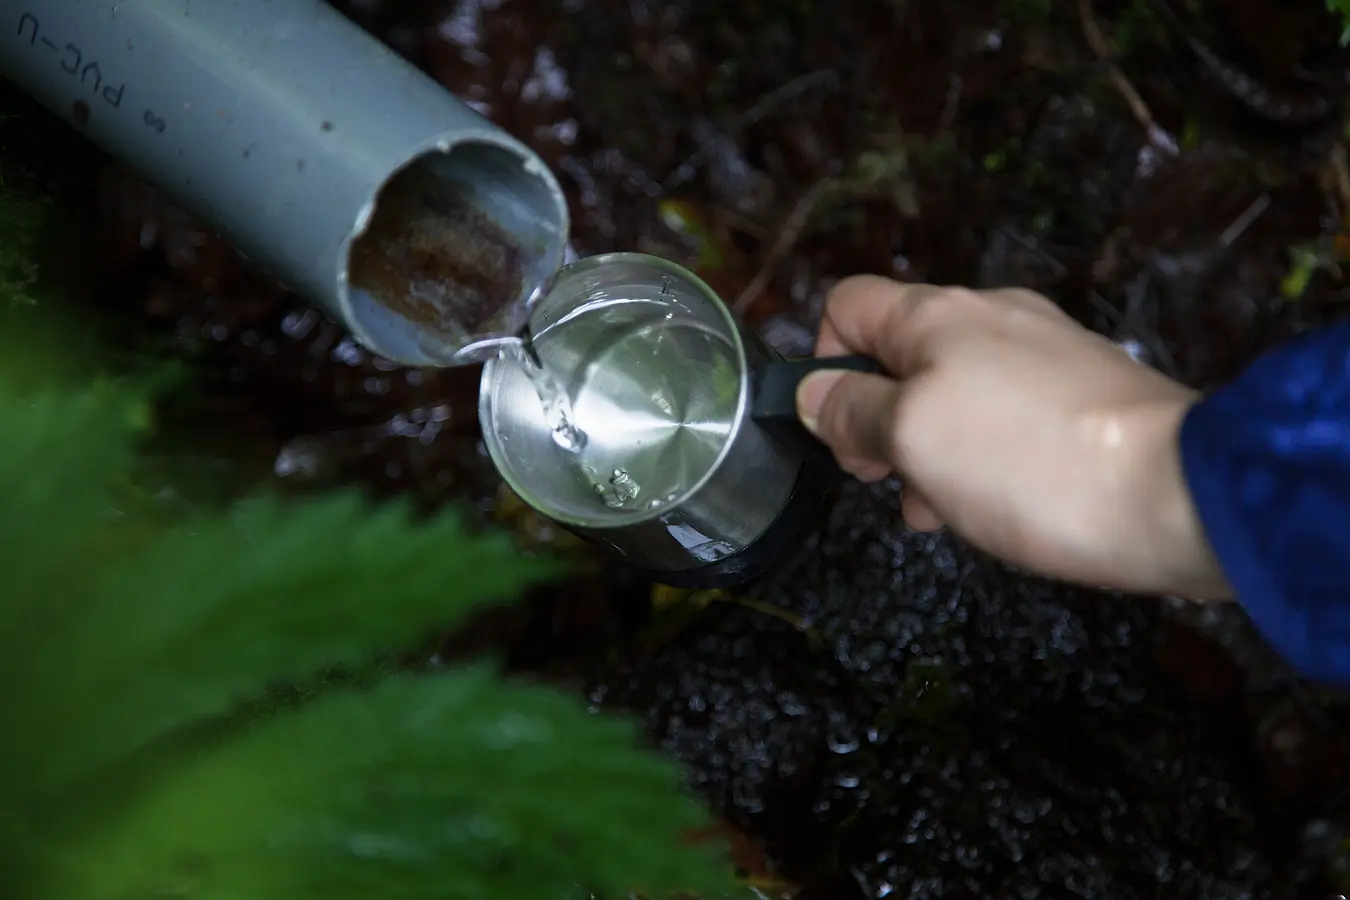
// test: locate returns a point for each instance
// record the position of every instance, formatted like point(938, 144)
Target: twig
point(768, 609)
point(1092, 33)
point(788, 236)
point(950, 105)
point(761, 108)
point(1244, 221)
point(1128, 324)
point(1340, 173)
point(779, 95)
point(1057, 267)
point(741, 222)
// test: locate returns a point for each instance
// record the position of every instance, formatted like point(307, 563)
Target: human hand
point(1032, 437)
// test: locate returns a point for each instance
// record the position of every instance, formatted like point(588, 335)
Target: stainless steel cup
point(692, 466)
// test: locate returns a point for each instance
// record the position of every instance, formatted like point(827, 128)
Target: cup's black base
point(799, 515)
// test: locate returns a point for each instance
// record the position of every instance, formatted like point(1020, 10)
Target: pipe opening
point(455, 247)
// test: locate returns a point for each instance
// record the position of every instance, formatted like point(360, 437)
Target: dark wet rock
point(731, 694)
point(957, 732)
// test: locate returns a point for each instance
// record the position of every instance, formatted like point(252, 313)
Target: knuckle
point(930, 308)
point(935, 310)
point(1030, 300)
point(855, 287)
point(1023, 295)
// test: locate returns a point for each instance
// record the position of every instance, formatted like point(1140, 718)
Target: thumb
point(852, 412)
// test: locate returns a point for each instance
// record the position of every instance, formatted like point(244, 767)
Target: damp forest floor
point(889, 714)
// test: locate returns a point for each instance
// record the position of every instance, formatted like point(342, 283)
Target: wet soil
point(890, 714)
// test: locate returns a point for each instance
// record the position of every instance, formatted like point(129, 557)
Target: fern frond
point(59, 454)
point(157, 629)
point(211, 614)
point(119, 633)
point(450, 786)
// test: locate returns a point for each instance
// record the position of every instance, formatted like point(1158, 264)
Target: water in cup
point(656, 388)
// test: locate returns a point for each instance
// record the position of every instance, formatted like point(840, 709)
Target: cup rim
point(610, 521)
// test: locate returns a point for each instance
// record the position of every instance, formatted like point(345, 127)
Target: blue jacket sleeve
point(1267, 460)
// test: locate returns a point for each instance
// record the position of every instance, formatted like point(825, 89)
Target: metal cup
point(693, 466)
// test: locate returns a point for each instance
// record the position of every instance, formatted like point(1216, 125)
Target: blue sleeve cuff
point(1267, 461)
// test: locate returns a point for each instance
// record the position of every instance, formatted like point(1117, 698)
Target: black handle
point(774, 387)
point(773, 401)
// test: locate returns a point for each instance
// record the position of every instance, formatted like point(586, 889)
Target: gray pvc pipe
point(279, 122)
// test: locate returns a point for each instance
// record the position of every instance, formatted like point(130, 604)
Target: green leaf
point(1342, 9)
point(123, 634)
point(60, 452)
point(451, 786)
point(205, 617)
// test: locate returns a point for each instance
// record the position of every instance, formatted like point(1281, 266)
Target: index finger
point(875, 316)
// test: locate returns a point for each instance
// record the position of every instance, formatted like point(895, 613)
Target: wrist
point(1184, 563)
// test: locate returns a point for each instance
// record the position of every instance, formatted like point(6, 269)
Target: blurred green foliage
point(194, 705)
point(1342, 9)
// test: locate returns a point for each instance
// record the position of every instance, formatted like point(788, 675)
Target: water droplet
point(841, 746)
point(298, 324)
point(622, 489)
point(296, 460)
point(347, 351)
